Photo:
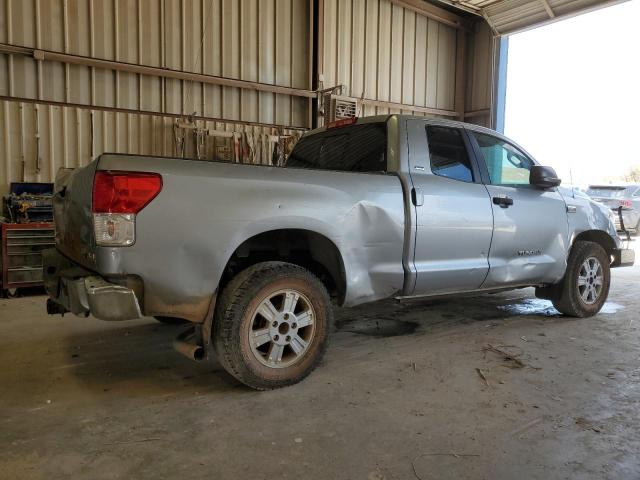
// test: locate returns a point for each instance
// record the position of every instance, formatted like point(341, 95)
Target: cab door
point(531, 229)
point(454, 221)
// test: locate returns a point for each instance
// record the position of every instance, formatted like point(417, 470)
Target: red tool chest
point(22, 246)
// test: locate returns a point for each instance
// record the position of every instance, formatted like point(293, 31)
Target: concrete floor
point(399, 396)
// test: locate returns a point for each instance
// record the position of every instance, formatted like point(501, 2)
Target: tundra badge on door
point(525, 253)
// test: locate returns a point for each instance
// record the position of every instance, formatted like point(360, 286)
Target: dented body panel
point(586, 215)
point(186, 236)
point(387, 245)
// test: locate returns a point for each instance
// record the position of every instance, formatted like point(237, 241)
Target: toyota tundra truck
point(365, 209)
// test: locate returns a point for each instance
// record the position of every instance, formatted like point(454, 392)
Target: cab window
point(506, 164)
point(448, 154)
point(356, 148)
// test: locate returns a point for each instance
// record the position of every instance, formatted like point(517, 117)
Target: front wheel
point(271, 325)
point(585, 286)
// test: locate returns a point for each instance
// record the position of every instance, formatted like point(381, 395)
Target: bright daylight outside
point(558, 105)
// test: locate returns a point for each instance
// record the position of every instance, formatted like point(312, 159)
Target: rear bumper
point(623, 257)
point(74, 289)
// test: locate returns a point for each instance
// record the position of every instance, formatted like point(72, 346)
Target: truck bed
point(206, 210)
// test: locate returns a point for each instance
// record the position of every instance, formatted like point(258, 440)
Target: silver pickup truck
point(252, 255)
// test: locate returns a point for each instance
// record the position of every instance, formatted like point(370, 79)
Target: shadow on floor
point(390, 318)
point(141, 351)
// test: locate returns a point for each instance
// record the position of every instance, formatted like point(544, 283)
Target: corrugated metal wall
point(39, 139)
point(259, 40)
point(481, 51)
point(55, 114)
point(382, 51)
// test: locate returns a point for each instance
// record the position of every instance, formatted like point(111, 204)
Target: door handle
point(417, 197)
point(503, 200)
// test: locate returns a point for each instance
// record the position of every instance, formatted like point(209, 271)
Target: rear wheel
point(585, 286)
point(271, 325)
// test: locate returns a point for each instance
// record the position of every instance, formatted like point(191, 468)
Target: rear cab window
point(448, 153)
point(354, 148)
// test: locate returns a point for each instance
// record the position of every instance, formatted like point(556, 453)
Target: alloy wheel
point(282, 328)
point(590, 280)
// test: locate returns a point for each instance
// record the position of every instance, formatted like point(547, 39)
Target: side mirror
point(543, 177)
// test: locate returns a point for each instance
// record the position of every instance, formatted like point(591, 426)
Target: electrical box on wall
point(338, 107)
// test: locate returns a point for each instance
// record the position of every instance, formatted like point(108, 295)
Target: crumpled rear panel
point(72, 214)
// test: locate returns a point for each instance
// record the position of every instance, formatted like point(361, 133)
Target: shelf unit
point(22, 246)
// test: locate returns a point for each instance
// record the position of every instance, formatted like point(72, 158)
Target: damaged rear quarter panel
point(205, 210)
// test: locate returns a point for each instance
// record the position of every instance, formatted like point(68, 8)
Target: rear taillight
point(117, 197)
point(626, 203)
point(124, 192)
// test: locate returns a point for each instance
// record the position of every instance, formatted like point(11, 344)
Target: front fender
point(585, 215)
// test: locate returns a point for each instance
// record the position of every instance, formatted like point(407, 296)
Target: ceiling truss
point(511, 16)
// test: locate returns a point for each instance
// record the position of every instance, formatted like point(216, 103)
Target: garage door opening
point(572, 95)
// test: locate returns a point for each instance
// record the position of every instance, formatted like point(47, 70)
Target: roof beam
point(569, 10)
point(46, 55)
point(413, 108)
point(490, 23)
point(177, 116)
point(429, 10)
point(548, 8)
point(462, 5)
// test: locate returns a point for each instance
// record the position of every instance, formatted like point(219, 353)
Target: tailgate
point(72, 214)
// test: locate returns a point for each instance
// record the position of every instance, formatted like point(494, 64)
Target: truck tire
point(585, 286)
point(271, 325)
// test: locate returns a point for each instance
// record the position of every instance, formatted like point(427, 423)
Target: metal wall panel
point(36, 140)
point(243, 39)
point(481, 51)
point(382, 51)
point(257, 40)
point(377, 49)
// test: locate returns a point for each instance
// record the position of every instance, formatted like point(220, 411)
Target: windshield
point(609, 192)
point(356, 148)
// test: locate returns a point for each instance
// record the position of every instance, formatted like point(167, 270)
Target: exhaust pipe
point(189, 344)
